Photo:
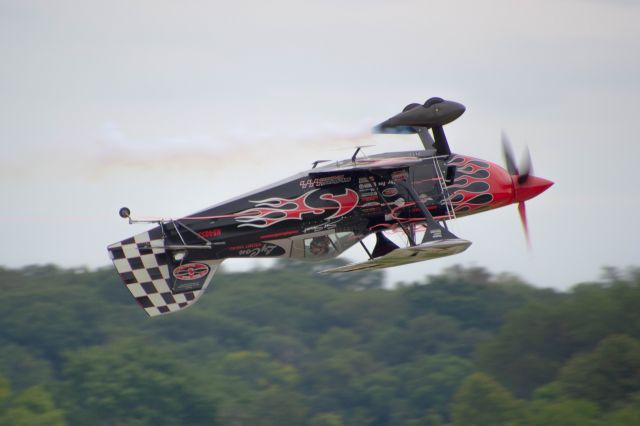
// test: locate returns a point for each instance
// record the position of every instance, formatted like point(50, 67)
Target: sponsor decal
point(332, 224)
point(191, 271)
point(370, 209)
point(366, 184)
point(371, 197)
point(258, 249)
point(436, 234)
point(245, 246)
point(399, 175)
point(390, 192)
point(323, 181)
point(210, 233)
point(278, 234)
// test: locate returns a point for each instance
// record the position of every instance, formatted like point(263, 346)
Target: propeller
point(525, 184)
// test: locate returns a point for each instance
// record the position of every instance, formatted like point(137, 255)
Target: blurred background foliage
point(286, 346)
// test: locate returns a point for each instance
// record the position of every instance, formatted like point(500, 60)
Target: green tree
point(335, 383)
point(429, 383)
point(286, 349)
point(364, 280)
point(625, 415)
point(272, 406)
point(287, 346)
point(326, 419)
point(433, 333)
point(481, 401)
point(529, 349)
point(608, 375)
point(470, 295)
point(22, 367)
point(336, 338)
point(257, 369)
point(5, 389)
point(279, 406)
point(537, 340)
point(364, 311)
point(562, 413)
point(130, 382)
point(33, 407)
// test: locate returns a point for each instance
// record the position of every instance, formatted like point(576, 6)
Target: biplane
point(318, 214)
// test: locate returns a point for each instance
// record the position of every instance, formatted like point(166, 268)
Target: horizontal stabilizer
point(436, 112)
point(402, 256)
point(159, 284)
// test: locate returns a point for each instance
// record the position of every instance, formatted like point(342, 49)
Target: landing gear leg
point(434, 231)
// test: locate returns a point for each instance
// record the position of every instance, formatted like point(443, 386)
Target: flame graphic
point(275, 210)
point(471, 190)
point(346, 202)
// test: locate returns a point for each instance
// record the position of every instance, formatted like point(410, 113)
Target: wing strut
point(366, 250)
point(437, 242)
point(434, 230)
point(125, 213)
point(440, 143)
point(407, 232)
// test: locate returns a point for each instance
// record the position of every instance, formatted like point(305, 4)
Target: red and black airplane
point(319, 213)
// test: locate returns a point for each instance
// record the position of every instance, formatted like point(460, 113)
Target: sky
point(168, 107)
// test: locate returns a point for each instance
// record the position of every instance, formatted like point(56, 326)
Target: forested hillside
point(287, 346)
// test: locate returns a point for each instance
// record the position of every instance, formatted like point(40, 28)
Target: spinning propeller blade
point(522, 209)
point(527, 168)
point(509, 160)
point(525, 185)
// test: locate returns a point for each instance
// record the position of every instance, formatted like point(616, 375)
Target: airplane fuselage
point(359, 202)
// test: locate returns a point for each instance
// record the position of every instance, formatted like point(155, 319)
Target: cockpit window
point(320, 246)
point(426, 182)
point(328, 245)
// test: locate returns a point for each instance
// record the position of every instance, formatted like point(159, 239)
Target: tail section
point(416, 118)
point(158, 282)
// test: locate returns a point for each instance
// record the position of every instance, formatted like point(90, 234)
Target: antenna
point(358, 149)
point(315, 163)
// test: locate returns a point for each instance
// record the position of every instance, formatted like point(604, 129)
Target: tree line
point(287, 346)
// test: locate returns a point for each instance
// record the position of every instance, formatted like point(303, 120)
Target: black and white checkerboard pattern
point(145, 272)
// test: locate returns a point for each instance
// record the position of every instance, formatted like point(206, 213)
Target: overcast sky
point(171, 106)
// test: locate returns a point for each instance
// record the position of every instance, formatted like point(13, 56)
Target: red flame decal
point(275, 210)
point(346, 202)
point(473, 182)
